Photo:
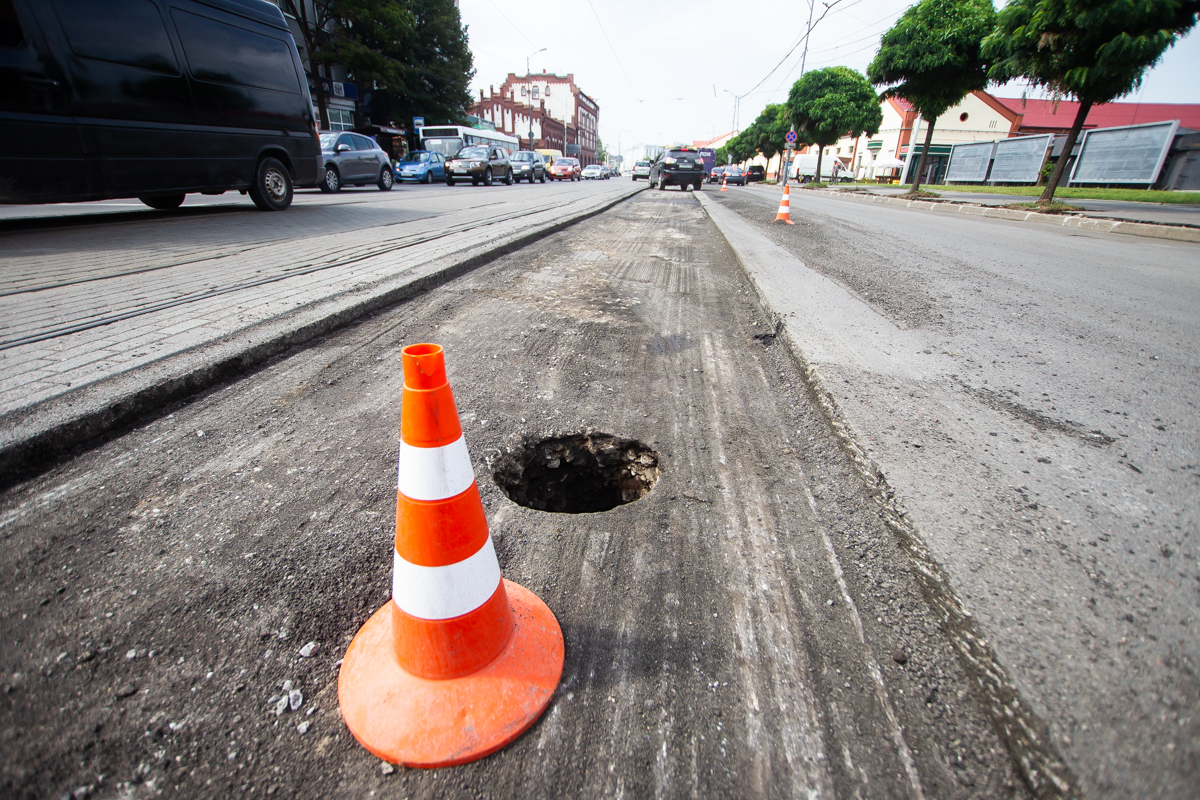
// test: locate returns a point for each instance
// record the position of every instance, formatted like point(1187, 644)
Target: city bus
point(449, 139)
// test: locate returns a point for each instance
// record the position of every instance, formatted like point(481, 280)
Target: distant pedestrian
point(837, 170)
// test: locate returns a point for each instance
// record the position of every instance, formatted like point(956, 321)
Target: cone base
point(439, 723)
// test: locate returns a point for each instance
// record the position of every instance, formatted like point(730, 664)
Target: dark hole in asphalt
point(578, 474)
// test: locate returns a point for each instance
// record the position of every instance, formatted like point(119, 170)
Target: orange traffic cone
point(785, 207)
point(724, 188)
point(460, 662)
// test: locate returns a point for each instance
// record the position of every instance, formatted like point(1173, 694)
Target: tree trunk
point(820, 153)
point(916, 184)
point(1048, 195)
point(322, 106)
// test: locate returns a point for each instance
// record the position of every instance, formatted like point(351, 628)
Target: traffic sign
point(791, 137)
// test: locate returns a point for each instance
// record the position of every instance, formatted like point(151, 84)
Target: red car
point(565, 169)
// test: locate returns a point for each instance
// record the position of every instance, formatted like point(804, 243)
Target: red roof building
point(1049, 116)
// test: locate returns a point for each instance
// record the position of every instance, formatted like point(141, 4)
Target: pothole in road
point(582, 473)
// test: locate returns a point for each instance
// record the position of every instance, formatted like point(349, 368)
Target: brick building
point(552, 106)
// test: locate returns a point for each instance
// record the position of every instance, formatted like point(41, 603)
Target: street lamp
point(529, 89)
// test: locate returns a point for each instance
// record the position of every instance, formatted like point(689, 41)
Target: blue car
point(421, 166)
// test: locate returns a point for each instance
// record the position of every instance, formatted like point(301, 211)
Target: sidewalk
point(101, 326)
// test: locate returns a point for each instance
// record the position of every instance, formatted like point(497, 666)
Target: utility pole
point(529, 95)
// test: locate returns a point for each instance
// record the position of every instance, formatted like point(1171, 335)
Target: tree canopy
point(931, 57)
point(410, 56)
point(767, 133)
point(827, 104)
point(1092, 50)
point(438, 68)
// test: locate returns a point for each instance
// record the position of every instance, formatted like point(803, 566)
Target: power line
point(510, 22)
point(614, 51)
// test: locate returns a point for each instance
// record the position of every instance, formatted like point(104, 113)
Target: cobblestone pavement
point(87, 297)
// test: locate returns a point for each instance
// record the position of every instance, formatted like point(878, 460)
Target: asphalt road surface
point(1030, 394)
point(747, 628)
point(1163, 213)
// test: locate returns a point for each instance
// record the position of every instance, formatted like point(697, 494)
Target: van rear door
point(41, 152)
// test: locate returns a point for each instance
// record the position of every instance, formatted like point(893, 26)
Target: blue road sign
point(791, 137)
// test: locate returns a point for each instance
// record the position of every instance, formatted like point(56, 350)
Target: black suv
point(528, 164)
point(678, 166)
point(756, 172)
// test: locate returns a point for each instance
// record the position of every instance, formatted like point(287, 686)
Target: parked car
point(479, 163)
point(756, 172)
point(152, 100)
point(735, 175)
point(641, 170)
point(593, 172)
point(351, 158)
point(716, 174)
point(678, 166)
point(565, 169)
point(528, 164)
point(421, 166)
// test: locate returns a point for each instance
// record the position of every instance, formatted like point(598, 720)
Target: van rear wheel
point(163, 202)
point(272, 187)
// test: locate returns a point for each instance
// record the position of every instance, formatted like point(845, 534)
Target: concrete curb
point(1023, 732)
point(1149, 230)
point(34, 438)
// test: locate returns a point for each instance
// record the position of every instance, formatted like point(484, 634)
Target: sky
point(664, 73)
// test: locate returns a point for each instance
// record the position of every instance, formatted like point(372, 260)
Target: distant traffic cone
point(460, 662)
point(785, 207)
point(724, 188)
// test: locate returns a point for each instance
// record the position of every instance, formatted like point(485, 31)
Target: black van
point(152, 99)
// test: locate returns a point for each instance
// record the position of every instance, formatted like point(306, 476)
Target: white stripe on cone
point(434, 473)
point(449, 591)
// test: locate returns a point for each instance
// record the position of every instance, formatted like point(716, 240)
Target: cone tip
point(424, 366)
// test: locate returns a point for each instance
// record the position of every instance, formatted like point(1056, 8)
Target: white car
point(641, 170)
point(593, 172)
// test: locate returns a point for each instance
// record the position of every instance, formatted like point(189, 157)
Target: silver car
point(354, 159)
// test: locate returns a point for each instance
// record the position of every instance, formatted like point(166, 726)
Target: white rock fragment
point(295, 699)
point(309, 650)
point(281, 705)
point(132, 654)
point(386, 768)
point(287, 686)
point(302, 727)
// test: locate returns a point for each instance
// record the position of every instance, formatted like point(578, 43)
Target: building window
point(340, 119)
point(992, 124)
point(522, 91)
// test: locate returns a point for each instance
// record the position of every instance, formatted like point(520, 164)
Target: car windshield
point(521, 157)
point(566, 162)
point(472, 152)
point(327, 140)
point(414, 158)
point(642, 164)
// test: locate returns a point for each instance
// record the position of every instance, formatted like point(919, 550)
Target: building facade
point(544, 111)
point(980, 117)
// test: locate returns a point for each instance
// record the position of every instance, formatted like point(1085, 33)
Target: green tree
point(438, 68)
point(827, 104)
point(931, 57)
point(769, 131)
point(740, 148)
point(1092, 50)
